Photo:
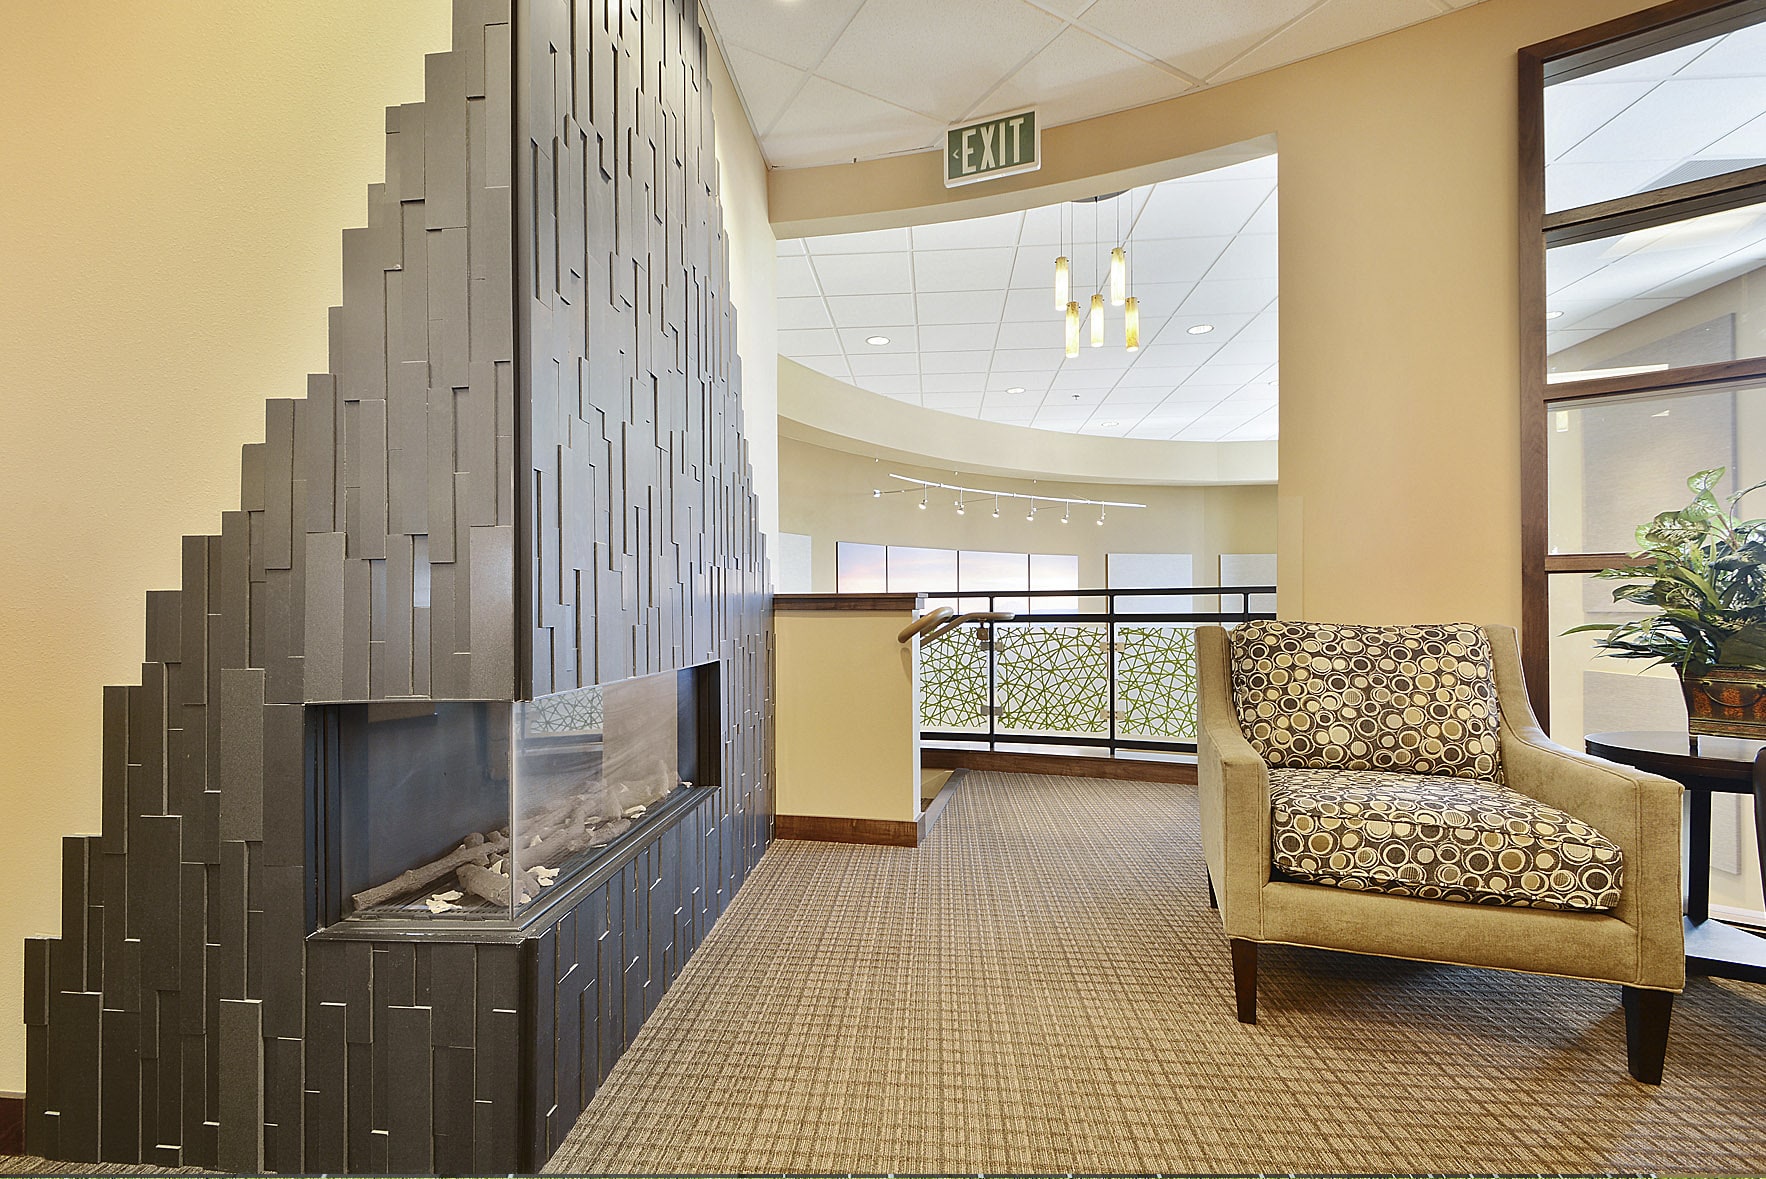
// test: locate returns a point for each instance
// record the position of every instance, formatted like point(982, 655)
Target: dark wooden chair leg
point(1215, 904)
point(1245, 978)
point(1646, 1032)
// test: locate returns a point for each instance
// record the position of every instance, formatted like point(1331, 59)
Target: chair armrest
point(1636, 810)
point(1233, 793)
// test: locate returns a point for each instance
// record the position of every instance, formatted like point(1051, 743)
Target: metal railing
point(1119, 677)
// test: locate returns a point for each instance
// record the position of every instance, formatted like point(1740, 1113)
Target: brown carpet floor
point(1041, 987)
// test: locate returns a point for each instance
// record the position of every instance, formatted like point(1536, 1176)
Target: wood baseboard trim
point(12, 1124)
point(887, 832)
point(1125, 769)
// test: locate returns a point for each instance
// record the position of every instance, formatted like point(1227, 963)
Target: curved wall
point(829, 412)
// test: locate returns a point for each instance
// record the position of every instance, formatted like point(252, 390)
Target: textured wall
point(647, 553)
point(183, 1016)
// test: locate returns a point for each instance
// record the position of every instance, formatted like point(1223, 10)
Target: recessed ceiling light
point(1553, 314)
point(1201, 329)
point(1016, 389)
point(878, 341)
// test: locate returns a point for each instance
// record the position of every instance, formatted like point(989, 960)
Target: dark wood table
point(1704, 765)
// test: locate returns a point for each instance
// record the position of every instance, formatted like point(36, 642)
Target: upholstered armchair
point(1387, 790)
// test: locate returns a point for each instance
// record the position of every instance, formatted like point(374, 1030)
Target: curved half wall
point(831, 413)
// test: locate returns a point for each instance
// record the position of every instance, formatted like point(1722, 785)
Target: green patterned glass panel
point(576, 711)
point(1053, 679)
point(1156, 682)
point(953, 681)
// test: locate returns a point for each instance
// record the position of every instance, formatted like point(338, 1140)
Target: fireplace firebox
point(450, 814)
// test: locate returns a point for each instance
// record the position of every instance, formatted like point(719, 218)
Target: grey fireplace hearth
point(454, 742)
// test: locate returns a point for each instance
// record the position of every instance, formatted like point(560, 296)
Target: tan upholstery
point(1636, 944)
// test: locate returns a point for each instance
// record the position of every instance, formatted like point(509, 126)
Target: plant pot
point(1726, 702)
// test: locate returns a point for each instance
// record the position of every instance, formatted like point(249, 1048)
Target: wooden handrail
point(924, 623)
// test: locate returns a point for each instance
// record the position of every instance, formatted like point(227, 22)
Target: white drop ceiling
point(968, 310)
point(828, 81)
point(1690, 112)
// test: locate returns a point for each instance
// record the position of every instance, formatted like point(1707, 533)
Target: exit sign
point(1004, 145)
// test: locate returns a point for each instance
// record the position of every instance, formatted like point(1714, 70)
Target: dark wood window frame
point(1629, 38)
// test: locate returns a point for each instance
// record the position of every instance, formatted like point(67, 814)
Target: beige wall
point(742, 172)
point(826, 494)
point(847, 699)
point(176, 179)
point(1399, 418)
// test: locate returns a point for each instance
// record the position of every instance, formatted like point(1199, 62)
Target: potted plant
point(1703, 572)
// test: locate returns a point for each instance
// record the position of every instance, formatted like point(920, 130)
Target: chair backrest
point(1406, 699)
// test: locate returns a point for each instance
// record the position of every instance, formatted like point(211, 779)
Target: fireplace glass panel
point(479, 810)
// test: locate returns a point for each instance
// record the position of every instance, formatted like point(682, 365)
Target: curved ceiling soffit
point(871, 194)
point(830, 413)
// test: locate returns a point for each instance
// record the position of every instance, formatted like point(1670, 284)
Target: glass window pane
point(921, 571)
point(1055, 571)
point(1592, 693)
point(860, 568)
point(1692, 111)
point(1692, 292)
point(1150, 571)
point(1615, 463)
point(995, 571)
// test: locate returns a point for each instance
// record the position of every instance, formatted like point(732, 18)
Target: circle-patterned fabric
point(1445, 839)
point(1409, 699)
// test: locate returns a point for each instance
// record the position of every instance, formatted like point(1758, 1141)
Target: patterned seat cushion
point(1448, 839)
point(1408, 699)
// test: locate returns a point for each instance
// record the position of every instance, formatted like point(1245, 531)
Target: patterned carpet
point(1042, 988)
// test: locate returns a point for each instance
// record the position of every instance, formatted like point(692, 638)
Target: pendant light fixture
point(1112, 278)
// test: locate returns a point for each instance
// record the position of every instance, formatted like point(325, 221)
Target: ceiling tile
point(957, 337)
point(803, 313)
point(1250, 256)
point(1149, 376)
point(863, 274)
point(952, 401)
point(955, 362)
point(1070, 380)
point(1174, 262)
point(933, 56)
point(893, 386)
point(1201, 208)
point(814, 342)
point(1079, 76)
point(798, 34)
point(857, 341)
point(765, 85)
point(1125, 395)
point(1215, 300)
point(1037, 337)
point(1208, 36)
point(1028, 306)
point(1331, 25)
point(959, 307)
point(795, 279)
point(827, 122)
point(871, 311)
point(973, 233)
point(962, 270)
point(884, 364)
point(954, 382)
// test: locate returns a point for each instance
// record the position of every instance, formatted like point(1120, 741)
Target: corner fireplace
point(463, 814)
